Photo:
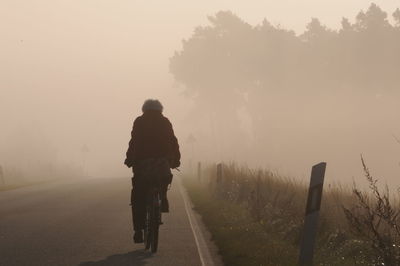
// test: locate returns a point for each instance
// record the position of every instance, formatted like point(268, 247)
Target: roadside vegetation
point(256, 218)
point(16, 186)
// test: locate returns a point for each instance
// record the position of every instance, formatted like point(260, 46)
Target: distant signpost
point(199, 171)
point(191, 140)
point(2, 181)
point(312, 212)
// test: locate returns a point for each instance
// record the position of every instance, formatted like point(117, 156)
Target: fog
point(74, 74)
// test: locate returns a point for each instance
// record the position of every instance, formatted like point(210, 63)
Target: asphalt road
point(88, 223)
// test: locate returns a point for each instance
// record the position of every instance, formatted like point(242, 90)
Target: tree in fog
point(214, 67)
point(374, 51)
point(256, 66)
point(396, 16)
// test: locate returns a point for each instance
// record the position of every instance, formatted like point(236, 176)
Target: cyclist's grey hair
point(151, 104)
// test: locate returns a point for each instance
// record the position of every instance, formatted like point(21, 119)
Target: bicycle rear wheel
point(155, 223)
point(147, 228)
point(152, 221)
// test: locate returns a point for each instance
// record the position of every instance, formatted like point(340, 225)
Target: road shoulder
point(207, 249)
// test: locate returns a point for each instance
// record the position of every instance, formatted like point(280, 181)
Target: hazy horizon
point(76, 73)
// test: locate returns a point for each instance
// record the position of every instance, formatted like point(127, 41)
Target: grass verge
point(240, 240)
point(243, 240)
point(17, 186)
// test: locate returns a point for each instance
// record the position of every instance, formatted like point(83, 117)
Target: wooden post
point(258, 197)
point(312, 213)
point(199, 171)
point(219, 173)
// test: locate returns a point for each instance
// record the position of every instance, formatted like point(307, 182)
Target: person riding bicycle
point(153, 147)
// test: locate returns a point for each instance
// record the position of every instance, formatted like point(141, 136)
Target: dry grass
point(21, 185)
point(12, 177)
point(375, 217)
point(277, 205)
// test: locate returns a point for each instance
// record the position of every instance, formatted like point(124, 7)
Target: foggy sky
point(77, 72)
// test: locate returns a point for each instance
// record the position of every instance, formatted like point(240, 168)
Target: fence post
point(199, 171)
point(258, 196)
point(312, 213)
point(219, 173)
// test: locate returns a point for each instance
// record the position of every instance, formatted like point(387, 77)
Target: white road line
point(202, 248)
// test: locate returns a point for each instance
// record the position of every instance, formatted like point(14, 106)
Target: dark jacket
point(153, 137)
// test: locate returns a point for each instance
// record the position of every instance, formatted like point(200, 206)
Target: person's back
point(153, 146)
point(152, 137)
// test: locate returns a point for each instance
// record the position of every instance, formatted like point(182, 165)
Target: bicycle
point(152, 219)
